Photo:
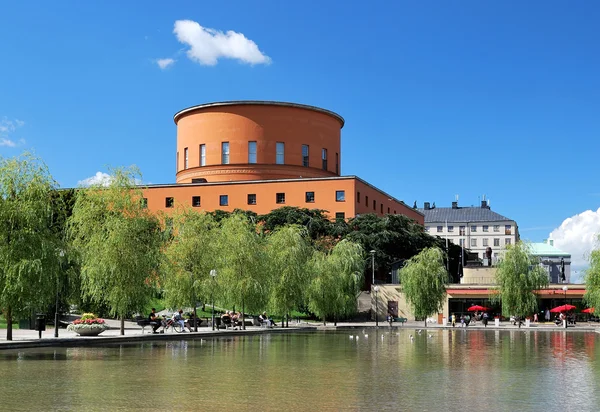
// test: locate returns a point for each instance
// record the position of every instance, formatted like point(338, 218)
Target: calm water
point(454, 370)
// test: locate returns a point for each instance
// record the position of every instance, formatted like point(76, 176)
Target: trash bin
point(497, 322)
point(527, 323)
point(444, 321)
point(40, 323)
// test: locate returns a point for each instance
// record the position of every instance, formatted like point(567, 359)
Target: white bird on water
point(366, 336)
point(430, 336)
point(351, 337)
point(419, 331)
point(411, 338)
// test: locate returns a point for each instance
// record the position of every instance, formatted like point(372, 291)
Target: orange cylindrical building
point(256, 140)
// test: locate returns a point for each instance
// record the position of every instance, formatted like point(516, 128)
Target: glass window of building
point(252, 199)
point(339, 216)
point(473, 242)
point(450, 228)
point(427, 228)
point(225, 153)
point(310, 197)
point(305, 160)
point(195, 201)
point(374, 205)
point(496, 242)
point(223, 200)
point(340, 195)
point(485, 241)
point(357, 197)
point(496, 228)
point(280, 153)
point(280, 198)
point(169, 202)
point(388, 210)
point(461, 230)
point(461, 242)
point(324, 158)
point(507, 241)
point(473, 229)
point(367, 201)
point(381, 208)
point(202, 155)
point(185, 158)
point(251, 152)
point(485, 228)
point(507, 230)
point(440, 229)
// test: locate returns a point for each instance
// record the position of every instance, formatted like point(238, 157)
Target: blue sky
point(440, 98)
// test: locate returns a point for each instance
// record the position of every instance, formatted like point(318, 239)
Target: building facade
point(473, 228)
point(556, 262)
point(260, 155)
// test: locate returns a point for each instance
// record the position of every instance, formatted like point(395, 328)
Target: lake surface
point(453, 370)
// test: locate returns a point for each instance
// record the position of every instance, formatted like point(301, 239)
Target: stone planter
point(87, 330)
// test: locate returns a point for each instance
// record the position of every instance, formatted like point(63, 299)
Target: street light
point(565, 288)
point(372, 252)
point(213, 273)
point(56, 316)
point(376, 289)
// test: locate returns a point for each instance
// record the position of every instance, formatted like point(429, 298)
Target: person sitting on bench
point(155, 321)
point(264, 319)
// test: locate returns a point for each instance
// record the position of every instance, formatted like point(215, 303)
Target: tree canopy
point(30, 238)
point(424, 280)
point(592, 281)
point(119, 244)
point(518, 277)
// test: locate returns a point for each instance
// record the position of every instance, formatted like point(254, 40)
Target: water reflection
point(436, 369)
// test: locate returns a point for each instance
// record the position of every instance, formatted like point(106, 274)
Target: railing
point(481, 280)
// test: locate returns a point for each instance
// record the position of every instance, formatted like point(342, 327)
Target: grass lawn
point(15, 324)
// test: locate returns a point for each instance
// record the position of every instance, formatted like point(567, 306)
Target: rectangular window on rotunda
point(280, 153)
point(225, 153)
point(324, 158)
point(305, 160)
point(202, 155)
point(251, 152)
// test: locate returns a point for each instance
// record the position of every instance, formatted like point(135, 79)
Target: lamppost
point(372, 252)
point(565, 288)
point(376, 289)
point(213, 273)
point(56, 317)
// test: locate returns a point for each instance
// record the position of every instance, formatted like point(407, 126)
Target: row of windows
point(485, 242)
point(374, 204)
point(340, 196)
point(484, 228)
point(252, 155)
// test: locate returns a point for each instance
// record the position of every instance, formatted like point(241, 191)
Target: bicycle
point(175, 325)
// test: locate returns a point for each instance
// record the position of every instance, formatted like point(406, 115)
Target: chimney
point(454, 205)
point(426, 206)
point(551, 242)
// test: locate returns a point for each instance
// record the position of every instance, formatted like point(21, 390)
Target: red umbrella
point(563, 308)
point(477, 308)
point(588, 310)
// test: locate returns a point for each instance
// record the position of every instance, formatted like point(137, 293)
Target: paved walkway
point(23, 338)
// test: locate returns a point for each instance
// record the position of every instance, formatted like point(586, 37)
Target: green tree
point(30, 242)
point(518, 277)
point(592, 281)
point(287, 253)
point(119, 244)
point(424, 279)
point(336, 280)
point(189, 257)
point(242, 278)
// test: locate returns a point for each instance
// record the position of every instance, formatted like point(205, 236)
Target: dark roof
point(462, 214)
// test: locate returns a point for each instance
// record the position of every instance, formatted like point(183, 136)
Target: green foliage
point(336, 280)
point(518, 277)
point(592, 281)
point(314, 221)
point(287, 253)
point(189, 257)
point(30, 239)
point(118, 242)
point(424, 279)
point(242, 280)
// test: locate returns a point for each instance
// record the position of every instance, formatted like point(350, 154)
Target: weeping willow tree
point(189, 258)
point(592, 282)
point(336, 280)
point(424, 279)
point(242, 276)
point(119, 244)
point(288, 253)
point(518, 277)
point(30, 246)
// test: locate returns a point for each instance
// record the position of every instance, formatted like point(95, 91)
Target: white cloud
point(8, 127)
point(578, 235)
point(164, 63)
point(100, 178)
point(208, 45)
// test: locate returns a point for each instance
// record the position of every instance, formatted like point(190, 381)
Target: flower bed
point(88, 325)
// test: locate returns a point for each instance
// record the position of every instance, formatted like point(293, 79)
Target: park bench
point(398, 319)
point(143, 322)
